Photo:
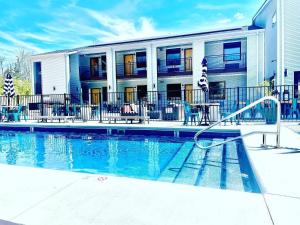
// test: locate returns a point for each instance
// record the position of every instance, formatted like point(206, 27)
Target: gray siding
point(291, 38)
point(216, 48)
point(75, 85)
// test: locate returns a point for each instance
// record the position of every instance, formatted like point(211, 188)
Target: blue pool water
point(168, 159)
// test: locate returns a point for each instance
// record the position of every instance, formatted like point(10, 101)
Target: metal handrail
point(255, 132)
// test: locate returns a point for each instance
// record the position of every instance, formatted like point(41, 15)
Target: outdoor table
point(204, 108)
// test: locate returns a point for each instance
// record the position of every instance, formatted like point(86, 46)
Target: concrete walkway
point(39, 196)
point(278, 171)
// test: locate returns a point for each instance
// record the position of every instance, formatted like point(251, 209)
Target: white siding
point(54, 74)
point(255, 62)
point(264, 19)
point(291, 38)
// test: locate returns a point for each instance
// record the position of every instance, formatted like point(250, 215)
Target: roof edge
point(66, 51)
point(264, 5)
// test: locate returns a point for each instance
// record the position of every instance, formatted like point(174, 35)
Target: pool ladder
point(264, 133)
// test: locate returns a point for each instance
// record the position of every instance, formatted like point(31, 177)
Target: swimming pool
point(159, 158)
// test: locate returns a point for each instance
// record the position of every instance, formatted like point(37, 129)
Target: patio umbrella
point(203, 82)
point(9, 90)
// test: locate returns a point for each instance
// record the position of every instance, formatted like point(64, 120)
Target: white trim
point(262, 8)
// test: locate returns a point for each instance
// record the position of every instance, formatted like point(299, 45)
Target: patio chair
point(190, 113)
point(170, 112)
point(226, 111)
point(24, 113)
point(95, 112)
point(128, 110)
point(248, 114)
point(259, 112)
point(294, 110)
point(15, 115)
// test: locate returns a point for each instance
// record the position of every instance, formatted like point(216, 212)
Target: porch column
point(198, 55)
point(111, 75)
point(151, 56)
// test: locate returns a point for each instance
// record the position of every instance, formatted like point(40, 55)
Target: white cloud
point(206, 6)
point(120, 29)
point(224, 21)
point(10, 38)
point(239, 16)
point(39, 37)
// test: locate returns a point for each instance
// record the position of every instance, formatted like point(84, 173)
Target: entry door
point(94, 67)
point(95, 92)
point(188, 93)
point(188, 55)
point(129, 95)
point(297, 84)
point(128, 64)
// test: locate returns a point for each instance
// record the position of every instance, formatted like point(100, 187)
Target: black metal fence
point(161, 105)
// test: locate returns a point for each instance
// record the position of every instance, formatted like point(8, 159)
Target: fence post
point(18, 99)
point(42, 105)
point(140, 107)
point(65, 104)
point(100, 108)
point(238, 105)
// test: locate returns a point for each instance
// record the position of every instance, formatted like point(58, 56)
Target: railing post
point(42, 105)
point(65, 104)
point(100, 108)
point(238, 105)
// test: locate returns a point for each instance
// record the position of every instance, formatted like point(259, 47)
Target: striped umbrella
point(9, 89)
point(203, 82)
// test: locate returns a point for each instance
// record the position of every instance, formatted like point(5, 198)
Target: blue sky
point(45, 25)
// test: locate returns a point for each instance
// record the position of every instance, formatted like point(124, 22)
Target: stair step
point(190, 170)
point(172, 169)
point(234, 180)
point(211, 174)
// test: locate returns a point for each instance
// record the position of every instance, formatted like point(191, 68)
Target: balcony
point(131, 70)
point(226, 63)
point(95, 73)
point(174, 67)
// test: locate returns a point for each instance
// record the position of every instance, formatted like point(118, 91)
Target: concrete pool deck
point(40, 196)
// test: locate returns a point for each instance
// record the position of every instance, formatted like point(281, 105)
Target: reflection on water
point(119, 155)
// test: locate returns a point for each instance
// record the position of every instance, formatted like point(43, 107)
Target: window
point(217, 90)
point(173, 57)
point(141, 59)
point(232, 51)
point(142, 91)
point(103, 63)
point(37, 78)
point(174, 91)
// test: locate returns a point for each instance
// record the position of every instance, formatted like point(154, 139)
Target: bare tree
point(21, 68)
point(2, 62)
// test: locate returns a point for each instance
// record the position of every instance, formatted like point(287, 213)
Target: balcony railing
point(95, 73)
point(175, 67)
point(226, 63)
point(131, 70)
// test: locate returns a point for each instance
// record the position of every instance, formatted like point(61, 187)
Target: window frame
point(141, 63)
point(216, 95)
point(232, 45)
point(175, 93)
point(173, 61)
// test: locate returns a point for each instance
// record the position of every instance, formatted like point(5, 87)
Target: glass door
point(188, 55)
point(128, 65)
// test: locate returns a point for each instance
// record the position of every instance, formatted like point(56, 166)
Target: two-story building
point(244, 57)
